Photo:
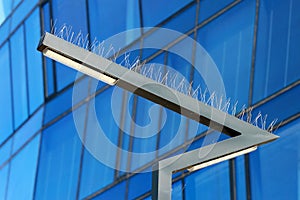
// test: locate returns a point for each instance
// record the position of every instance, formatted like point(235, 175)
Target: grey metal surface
point(244, 135)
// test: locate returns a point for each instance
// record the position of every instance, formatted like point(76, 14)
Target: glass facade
point(254, 44)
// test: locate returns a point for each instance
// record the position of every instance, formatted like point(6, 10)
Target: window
point(19, 76)
point(277, 58)
point(3, 181)
point(58, 171)
point(156, 11)
point(34, 62)
point(275, 167)
point(209, 183)
point(6, 94)
point(22, 172)
point(123, 14)
point(72, 13)
point(229, 43)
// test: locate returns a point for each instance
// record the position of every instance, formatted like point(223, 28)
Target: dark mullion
point(247, 177)
point(233, 184)
point(120, 133)
point(131, 142)
point(253, 59)
point(141, 18)
point(53, 62)
point(12, 88)
point(42, 30)
point(183, 188)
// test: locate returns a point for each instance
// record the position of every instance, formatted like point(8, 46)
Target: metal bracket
point(244, 135)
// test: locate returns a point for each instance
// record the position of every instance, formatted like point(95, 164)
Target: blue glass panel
point(94, 176)
point(58, 105)
point(147, 116)
point(19, 77)
point(3, 181)
point(5, 151)
point(23, 171)
point(124, 160)
point(156, 11)
point(5, 7)
point(14, 20)
point(46, 17)
point(177, 190)
point(275, 166)
point(183, 22)
point(64, 101)
point(5, 93)
point(64, 75)
point(172, 132)
point(278, 46)
point(16, 2)
point(208, 139)
point(181, 65)
point(290, 98)
point(136, 189)
point(231, 50)
point(4, 31)
point(147, 122)
point(108, 122)
point(71, 13)
point(21, 12)
point(147, 52)
point(193, 127)
point(28, 130)
point(99, 85)
point(292, 72)
point(103, 14)
point(80, 90)
point(117, 192)
point(209, 183)
point(176, 174)
point(59, 160)
point(210, 7)
point(34, 61)
point(240, 178)
point(160, 39)
point(129, 58)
